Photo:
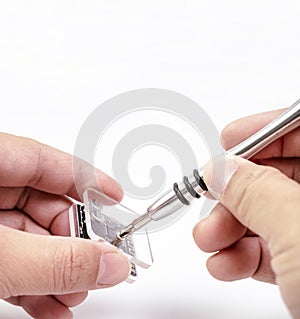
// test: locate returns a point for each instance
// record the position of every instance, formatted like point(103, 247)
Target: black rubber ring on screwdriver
point(200, 180)
point(190, 188)
point(180, 195)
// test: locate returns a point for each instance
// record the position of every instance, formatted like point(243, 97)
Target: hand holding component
point(47, 274)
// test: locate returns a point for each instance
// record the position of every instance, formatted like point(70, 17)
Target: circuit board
point(106, 229)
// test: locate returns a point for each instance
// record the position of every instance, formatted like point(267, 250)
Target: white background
point(61, 59)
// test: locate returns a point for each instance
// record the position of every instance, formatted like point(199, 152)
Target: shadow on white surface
point(157, 310)
point(8, 311)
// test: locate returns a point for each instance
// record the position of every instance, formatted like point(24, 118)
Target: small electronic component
point(98, 220)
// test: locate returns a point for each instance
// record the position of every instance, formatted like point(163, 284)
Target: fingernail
point(119, 186)
point(120, 191)
point(218, 173)
point(114, 268)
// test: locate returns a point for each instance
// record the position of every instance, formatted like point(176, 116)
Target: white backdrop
point(60, 59)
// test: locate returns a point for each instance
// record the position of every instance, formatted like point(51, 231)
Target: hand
point(42, 273)
point(255, 229)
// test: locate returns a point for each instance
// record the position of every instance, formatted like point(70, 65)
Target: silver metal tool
point(193, 186)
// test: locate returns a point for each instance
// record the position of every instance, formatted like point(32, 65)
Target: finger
point(239, 130)
point(20, 221)
point(232, 134)
point(249, 257)
point(72, 300)
point(220, 230)
point(288, 166)
point(56, 265)
point(47, 210)
point(45, 168)
point(51, 211)
point(42, 307)
point(69, 300)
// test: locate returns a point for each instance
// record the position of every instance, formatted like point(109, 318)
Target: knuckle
point(254, 191)
point(70, 268)
point(8, 287)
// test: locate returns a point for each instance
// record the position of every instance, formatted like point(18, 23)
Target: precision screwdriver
point(194, 186)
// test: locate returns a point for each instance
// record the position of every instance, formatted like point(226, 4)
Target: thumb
point(260, 197)
point(41, 265)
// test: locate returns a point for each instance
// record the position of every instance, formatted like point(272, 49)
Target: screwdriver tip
point(118, 239)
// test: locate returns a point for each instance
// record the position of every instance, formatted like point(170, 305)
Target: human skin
point(42, 269)
point(254, 230)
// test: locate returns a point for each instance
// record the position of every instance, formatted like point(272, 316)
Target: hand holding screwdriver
point(255, 229)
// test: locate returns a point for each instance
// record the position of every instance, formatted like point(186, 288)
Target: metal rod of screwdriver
point(184, 193)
